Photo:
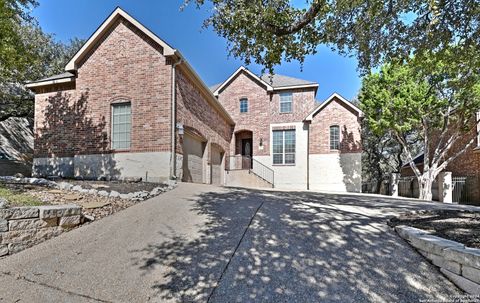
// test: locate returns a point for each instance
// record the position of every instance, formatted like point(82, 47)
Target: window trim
point(246, 101)
point(112, 105)
point(282, 102)
point(283, 153)
point(330, 137)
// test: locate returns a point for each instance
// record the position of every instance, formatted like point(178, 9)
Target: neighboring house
point(281, 127)
point(465, 168)
point(112, 114)
point(16, 146)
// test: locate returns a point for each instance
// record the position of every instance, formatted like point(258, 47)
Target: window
point(286, 102)
point(121, 125)
point(244, 105)
point(284, 146)
point(334, 137)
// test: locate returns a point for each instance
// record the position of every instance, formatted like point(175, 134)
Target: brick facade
point(335, 113)
point(125, 66)
point(263, 109)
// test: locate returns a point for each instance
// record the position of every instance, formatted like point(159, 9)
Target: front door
point(247, 152)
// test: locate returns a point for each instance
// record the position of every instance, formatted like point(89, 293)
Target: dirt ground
point(456, 225)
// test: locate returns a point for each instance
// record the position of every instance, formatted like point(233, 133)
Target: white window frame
point(112, 133)
point(246, 102)
point(283, 153)
point(330, 137)
point(290, 101)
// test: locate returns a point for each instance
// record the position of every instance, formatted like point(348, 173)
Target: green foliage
point(18, 199)
point(26, 54)
point(267, 31)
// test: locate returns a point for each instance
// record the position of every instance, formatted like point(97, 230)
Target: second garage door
point(193, 149)
point(217, 155)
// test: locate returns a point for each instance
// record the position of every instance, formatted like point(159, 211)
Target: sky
point(203, 49)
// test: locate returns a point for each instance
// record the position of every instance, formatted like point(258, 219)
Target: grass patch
point(18, 199)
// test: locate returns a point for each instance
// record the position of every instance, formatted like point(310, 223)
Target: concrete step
point(244, 178)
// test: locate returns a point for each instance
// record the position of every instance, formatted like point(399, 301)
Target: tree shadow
point(71, 140)
point(302, 247)
point(350, 161)
point(16, 146)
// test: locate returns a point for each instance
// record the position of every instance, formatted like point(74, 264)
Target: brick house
point(130, 105)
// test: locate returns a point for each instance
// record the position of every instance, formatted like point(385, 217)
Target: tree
point(376, 31)
point(433, 107)
point(26, 54)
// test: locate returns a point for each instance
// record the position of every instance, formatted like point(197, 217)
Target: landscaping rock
point(3, 203)
point(170, 183)
point(65, 186)
point(97, 186)
point(156, 191)
point(57, 211)
point(464, 255)
point(3, 250)
point(17, 247)
point(72, 197)
point(132, 179)
point(95, 204)
point(463, 283)
point(3, 225)
point(31, 224)
point(70, 221)
point(471, 273)
point(88, 218)
point(55, 191)
point(93, 192)
point(140, 195)
point(76, 188)
point(432, 244)
point(128, 196)
point(114, 194)
point(103, 193)
point(18, 213)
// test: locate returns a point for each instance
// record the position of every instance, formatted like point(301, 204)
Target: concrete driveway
point(178, 247)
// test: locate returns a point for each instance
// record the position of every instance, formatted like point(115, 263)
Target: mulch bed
point(456, 225)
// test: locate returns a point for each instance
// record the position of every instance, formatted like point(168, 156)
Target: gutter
point(173, 118)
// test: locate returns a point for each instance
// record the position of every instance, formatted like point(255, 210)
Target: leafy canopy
point(267, 31)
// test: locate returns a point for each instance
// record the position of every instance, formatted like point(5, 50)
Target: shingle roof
point(277, 80)
point(56, 77)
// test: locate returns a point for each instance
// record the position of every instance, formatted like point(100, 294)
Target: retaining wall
point(460, 264)
point(23, 227)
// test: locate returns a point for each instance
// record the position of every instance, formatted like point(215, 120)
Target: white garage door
point(193, 150)
point(216, 165)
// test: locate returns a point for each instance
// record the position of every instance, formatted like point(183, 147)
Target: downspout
point(173, 155)
point(308, 156)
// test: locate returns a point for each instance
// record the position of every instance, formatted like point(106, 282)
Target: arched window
point(334, 137)
point(121, 125)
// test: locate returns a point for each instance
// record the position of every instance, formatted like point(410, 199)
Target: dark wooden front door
point(247, 152)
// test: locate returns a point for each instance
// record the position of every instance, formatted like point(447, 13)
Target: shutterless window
point(244, 105)
point(121, 125)
point(284, 146)
point(286, 100)
point(334, 137)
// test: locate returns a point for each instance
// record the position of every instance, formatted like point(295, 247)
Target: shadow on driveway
point(301, 246)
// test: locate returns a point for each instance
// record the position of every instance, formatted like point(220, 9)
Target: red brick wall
point(195, 112)
point(125, 65)
point(263, 109)
point(335, 113)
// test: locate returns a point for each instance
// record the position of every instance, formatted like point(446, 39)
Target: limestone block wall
point(458, 263)
point(23, 227)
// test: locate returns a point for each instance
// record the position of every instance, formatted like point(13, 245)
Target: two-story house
point(130, 106)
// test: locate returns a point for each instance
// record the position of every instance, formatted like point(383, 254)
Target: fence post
point(445, 187)
point(394, 179)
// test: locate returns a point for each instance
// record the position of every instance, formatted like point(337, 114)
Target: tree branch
point(304, 20)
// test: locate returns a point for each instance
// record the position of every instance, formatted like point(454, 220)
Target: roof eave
point(32, 85)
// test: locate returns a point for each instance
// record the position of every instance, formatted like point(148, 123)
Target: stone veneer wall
point(23, 227)
point(460, 264)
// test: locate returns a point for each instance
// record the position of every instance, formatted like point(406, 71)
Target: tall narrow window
point(244, 105)
point(283, 146)
point(121, 125)
point(286, 100)
point(334, 137)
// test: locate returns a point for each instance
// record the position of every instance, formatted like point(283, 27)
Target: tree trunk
point(425, 187)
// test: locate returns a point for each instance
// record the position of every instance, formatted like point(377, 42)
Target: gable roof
point(105, 26)
point(330, 99)
point(271, 82)
point(280, 81)
point(55, 79)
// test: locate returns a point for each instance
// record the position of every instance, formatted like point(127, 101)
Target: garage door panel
point(216, 161)
point(193, 150)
